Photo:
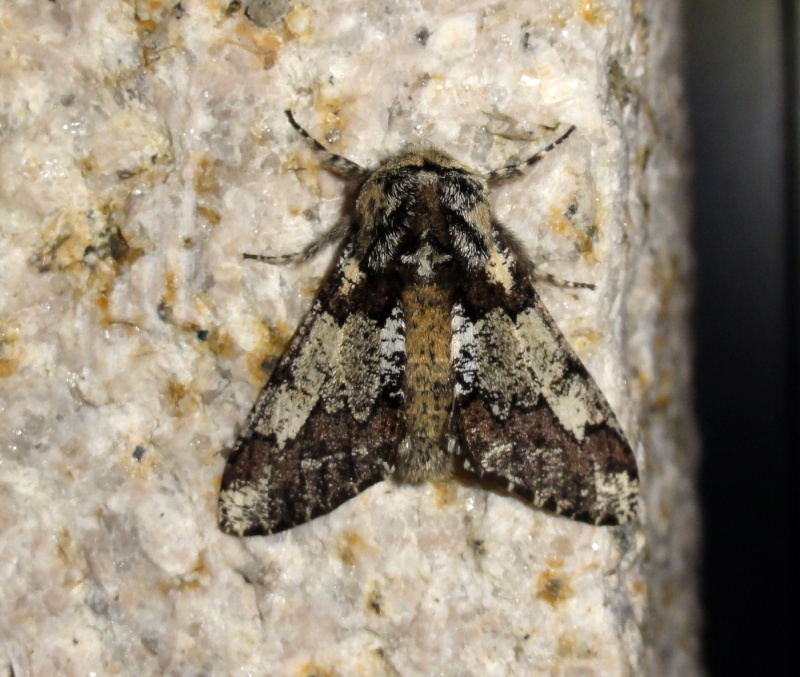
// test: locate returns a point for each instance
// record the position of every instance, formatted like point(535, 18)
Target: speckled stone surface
point(143, 148)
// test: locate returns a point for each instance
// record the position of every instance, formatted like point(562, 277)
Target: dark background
point(742, 86)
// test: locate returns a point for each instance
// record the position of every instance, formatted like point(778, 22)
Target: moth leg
point(334, 234)
point(558, 282)
point(511, 171)
point(337, 164)
point(530, 268)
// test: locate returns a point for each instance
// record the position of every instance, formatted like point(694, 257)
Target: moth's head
point(421, 210)
point(419, 158)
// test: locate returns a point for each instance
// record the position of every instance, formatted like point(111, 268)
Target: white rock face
point(143, 148)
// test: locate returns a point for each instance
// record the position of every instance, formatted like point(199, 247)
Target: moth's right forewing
point(327, 424)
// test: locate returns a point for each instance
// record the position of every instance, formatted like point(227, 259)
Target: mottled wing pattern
point(327, 424)
point(526, 411)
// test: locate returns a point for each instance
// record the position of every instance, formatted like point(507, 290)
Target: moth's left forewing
point(526, 412)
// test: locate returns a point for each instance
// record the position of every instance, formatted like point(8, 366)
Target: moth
point(427, 350)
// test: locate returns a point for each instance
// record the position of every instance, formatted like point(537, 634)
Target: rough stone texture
point(142, 149)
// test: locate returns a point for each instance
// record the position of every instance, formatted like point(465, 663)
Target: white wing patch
point(570, 395)
point(294, 400)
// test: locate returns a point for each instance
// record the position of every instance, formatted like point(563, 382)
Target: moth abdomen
point(428, 383)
